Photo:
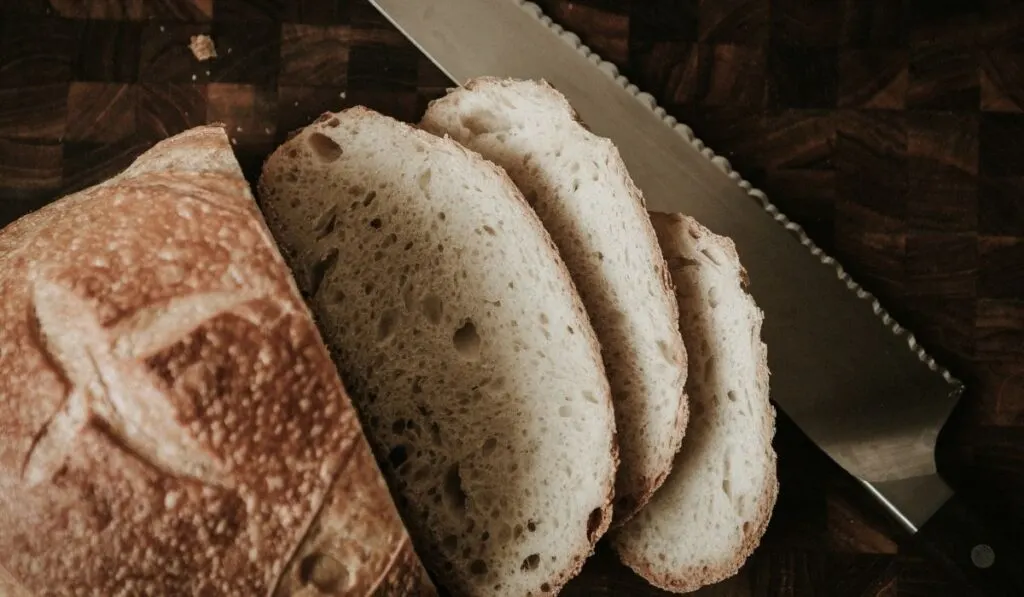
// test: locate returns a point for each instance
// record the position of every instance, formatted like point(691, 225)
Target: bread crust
point(636, 483)
point(690, 579)
point(173, 423)
point(277, 166)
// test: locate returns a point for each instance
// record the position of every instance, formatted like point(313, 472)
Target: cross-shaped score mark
point(111, 388)
point(9, 586)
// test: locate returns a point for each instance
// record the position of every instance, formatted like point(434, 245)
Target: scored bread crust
point(172, 421)
point(332, 194)
point(641, 543)
point(598, 219)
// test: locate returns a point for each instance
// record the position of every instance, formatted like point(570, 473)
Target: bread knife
point(854, 380)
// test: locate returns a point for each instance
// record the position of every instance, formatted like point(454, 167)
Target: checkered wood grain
point(892, 130)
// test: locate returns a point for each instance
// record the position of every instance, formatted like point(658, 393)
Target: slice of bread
point(464, 343)
point(712, 511)
point(579, 187)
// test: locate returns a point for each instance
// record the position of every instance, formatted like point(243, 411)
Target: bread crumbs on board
point(202, 47)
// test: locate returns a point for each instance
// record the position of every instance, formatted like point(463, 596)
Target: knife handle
point(974, 550)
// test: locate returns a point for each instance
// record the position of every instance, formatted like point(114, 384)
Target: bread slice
point(172, 421)
point(580, 189)
point(712, 511)
point(459, 332)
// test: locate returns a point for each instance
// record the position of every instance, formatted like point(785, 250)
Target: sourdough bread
point(170, 420)
point(462, 338)
point(711, 513)
point(579, 187)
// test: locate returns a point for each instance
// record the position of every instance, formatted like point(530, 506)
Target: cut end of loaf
point(714, 507)
point(481, 387)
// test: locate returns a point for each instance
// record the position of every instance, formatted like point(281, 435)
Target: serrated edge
point(722, 163)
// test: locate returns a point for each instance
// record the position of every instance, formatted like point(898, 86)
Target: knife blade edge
point(845, 413)
point(648, 100)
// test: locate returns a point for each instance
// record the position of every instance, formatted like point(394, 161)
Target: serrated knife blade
point(849, 376)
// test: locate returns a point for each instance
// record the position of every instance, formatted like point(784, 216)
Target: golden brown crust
point(172, 420)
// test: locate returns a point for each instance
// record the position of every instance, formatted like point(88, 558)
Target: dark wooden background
point(893, 130)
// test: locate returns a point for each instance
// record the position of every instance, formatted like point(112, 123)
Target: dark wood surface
point(893, 130)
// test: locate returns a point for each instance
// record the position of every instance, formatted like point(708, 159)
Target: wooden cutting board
point(892, 130)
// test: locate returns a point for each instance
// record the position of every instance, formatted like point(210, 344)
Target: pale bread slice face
point(579, 187)
point(463, 341)
point(713, 509)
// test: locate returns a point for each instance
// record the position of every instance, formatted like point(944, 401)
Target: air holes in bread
point(326, 574)
point(589, 396)
point(565, 411)
point(376, 223)
point(594, 523)
point(666, 351)
point(397, 456)
point(711, 256)
point(732, 396)
point(324, 148)
point(433, 309)
point(452, 494)
point(467, 341)
point(489, 447)
point(678, 263)
point(320, 269)
point(326, 223)
point(727, 488)
point(489, 230)
point(531, 562)
point(575, 184)
point(483, 121)
point(368, 199)
point(386, 325)
point(709, 370)
point(713, 297)
point(478, 567)
point(424, 179)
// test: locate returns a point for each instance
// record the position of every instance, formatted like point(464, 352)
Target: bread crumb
point(202, 47)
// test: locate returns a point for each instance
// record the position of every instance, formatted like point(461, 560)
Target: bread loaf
point(710, 514)
point(170, 419)
point(467, 349)
point(579, 187)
